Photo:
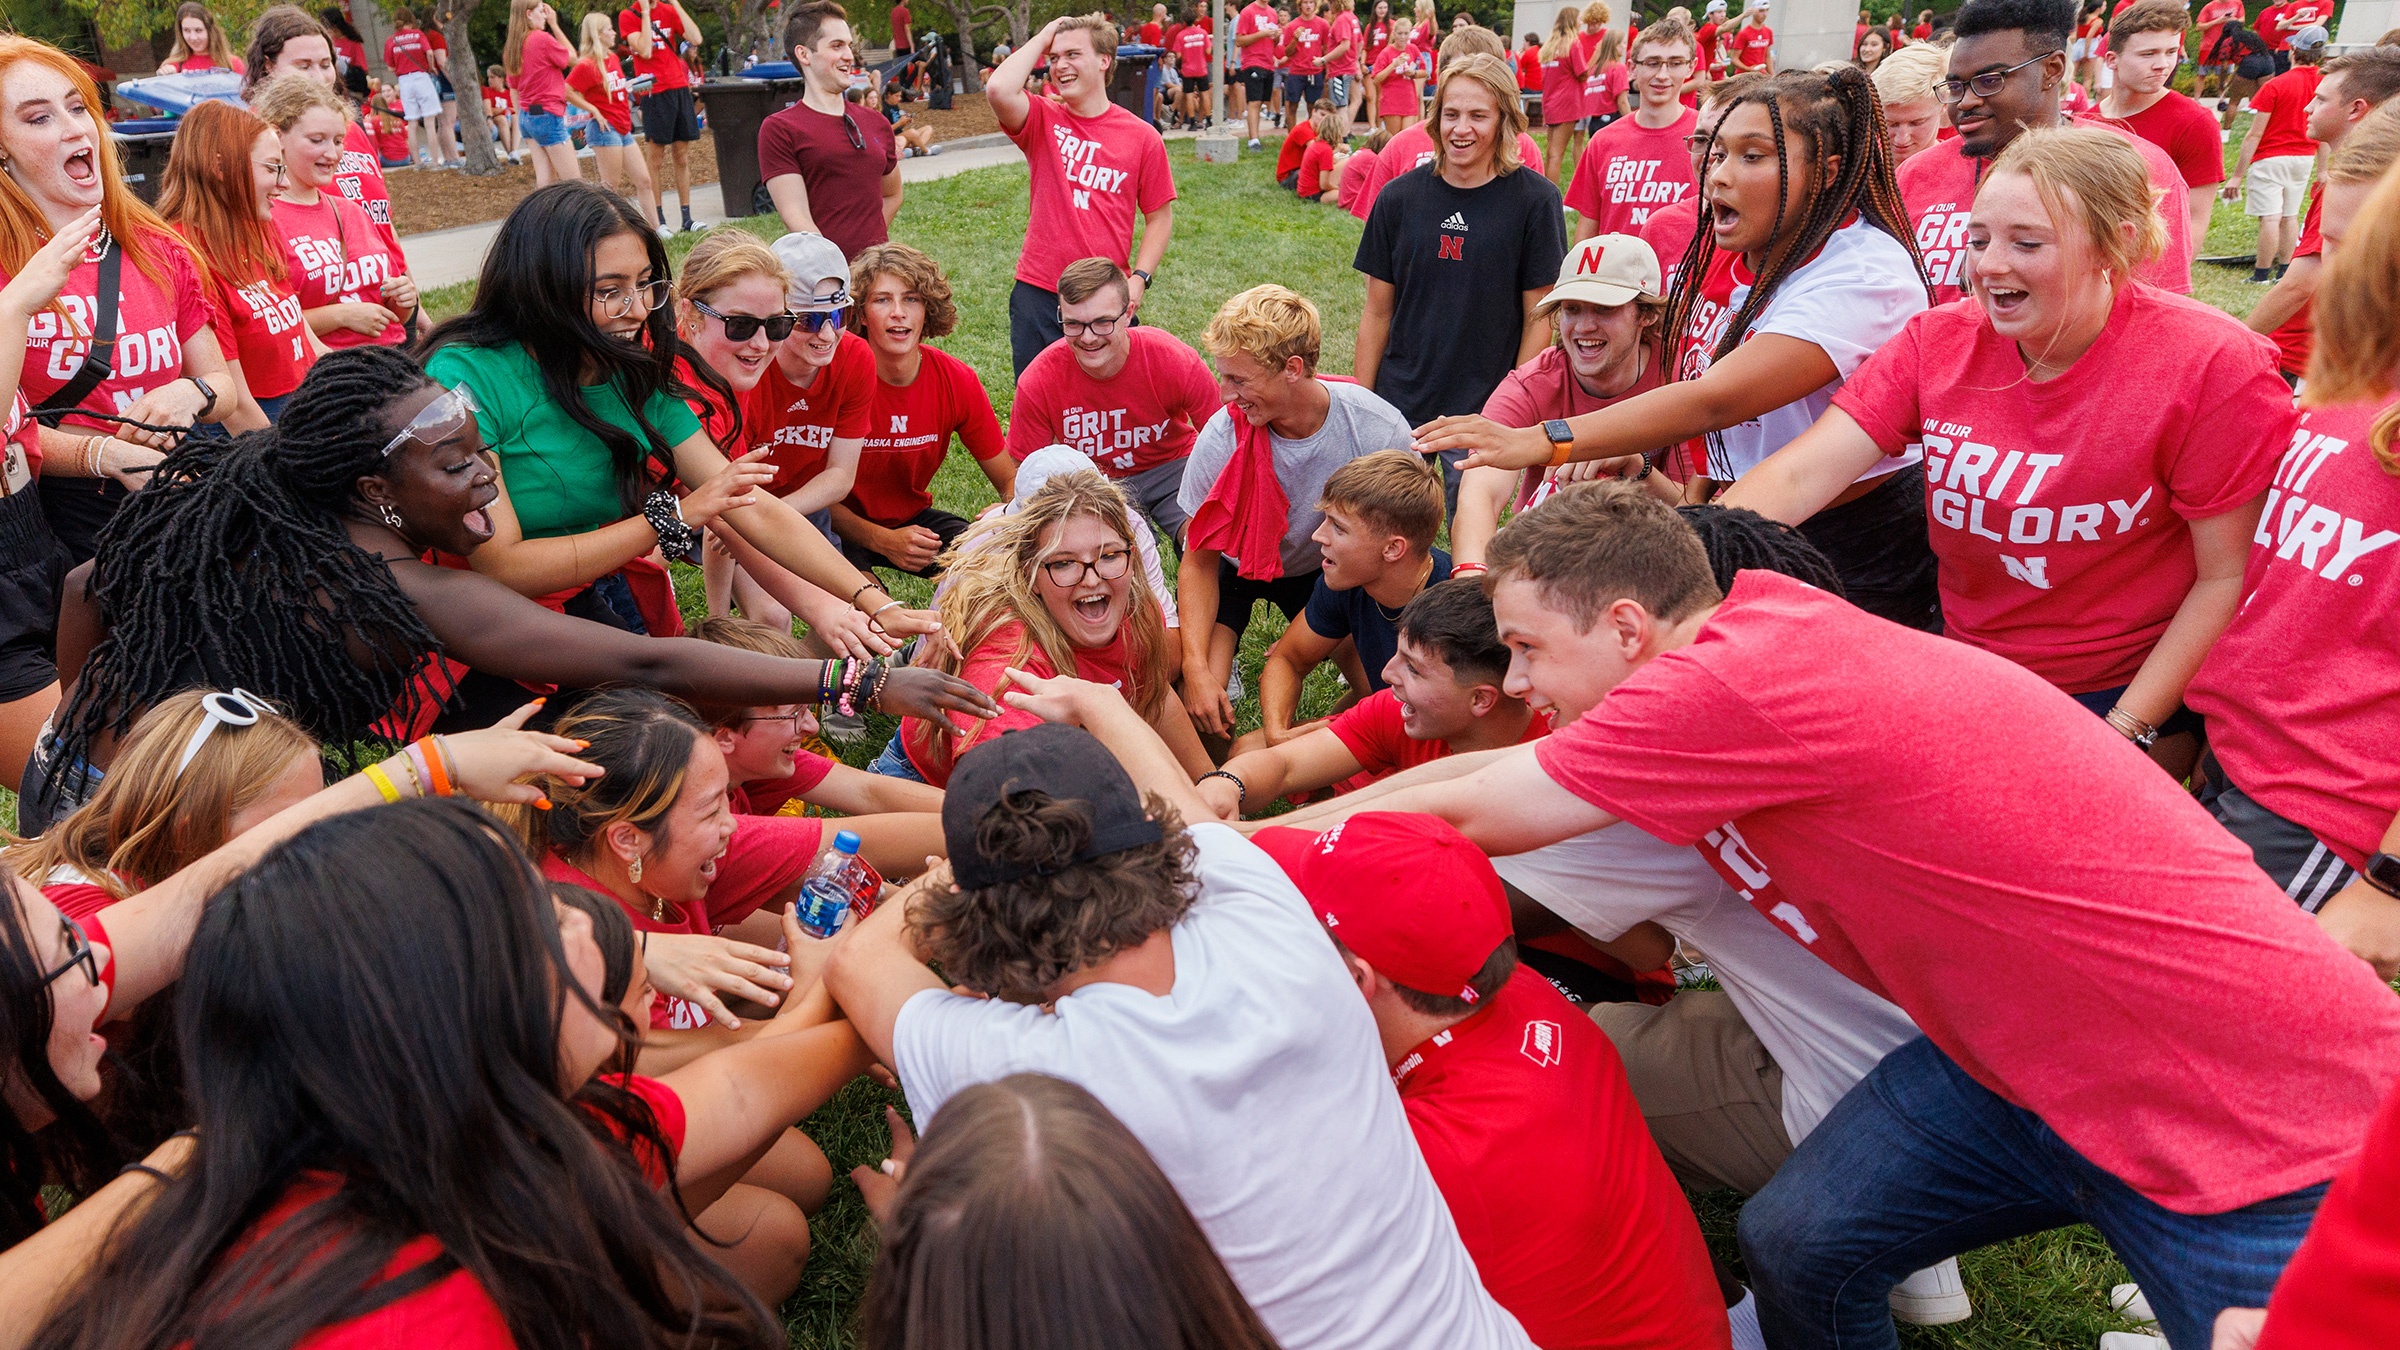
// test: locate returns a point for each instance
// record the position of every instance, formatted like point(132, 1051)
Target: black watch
point(1137, 272)
point(205, 392)
point(2383, 873)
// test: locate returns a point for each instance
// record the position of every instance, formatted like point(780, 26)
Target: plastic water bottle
point(839, 883)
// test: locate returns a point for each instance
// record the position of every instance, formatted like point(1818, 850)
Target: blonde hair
point(747, 635)
point(598, 39)
point(1563, 31)
point(147, 822)
point(1425, 12)
point(1611, 49)
point(722, 257)
point(1330, 127)
point(1270, 325)
point(1495, 76)
point(2097, 179)
point(989, 582)
point(1909, 74)
point(2358, 295)
point(1596, 14)
point(1104, 34)
point(219, 50)
point(284, 100)
point(1475, 40)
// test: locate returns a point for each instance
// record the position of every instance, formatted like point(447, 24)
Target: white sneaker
point(666, 231)
point(1233, 686)
point(2131, 1340)
point(1932, 1297)
point(2128, 1301)
point(1254, 142)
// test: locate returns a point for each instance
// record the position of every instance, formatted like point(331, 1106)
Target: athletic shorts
point(1258, 83)
point(32, 569)
point(2277, 186)
point(1236, 594)
point(1303, 89)
point(1337, 90)
point(543, 126)
point(2306, 867)
point(419, 96)
point(670, 116)
point(2259, 66)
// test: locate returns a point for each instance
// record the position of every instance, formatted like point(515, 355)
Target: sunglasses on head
point(450, 413)
point(743, 327)
point(241, 708)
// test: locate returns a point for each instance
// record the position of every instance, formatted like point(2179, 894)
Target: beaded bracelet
point(878, 671)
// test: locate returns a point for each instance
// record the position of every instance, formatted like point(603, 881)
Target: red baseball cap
point(1410, 894)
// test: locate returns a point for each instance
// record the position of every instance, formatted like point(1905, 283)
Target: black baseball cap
point(1065, 762)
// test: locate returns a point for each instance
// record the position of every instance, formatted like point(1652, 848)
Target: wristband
point(382, 782)
point(437, 777)
point(1241, 790)
point(863, 589)
point(664, 511)
point(447, 783)
point(1468, 569)
point(2132, 728)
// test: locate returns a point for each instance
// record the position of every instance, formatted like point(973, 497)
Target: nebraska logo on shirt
point(1730, 855)
point(1942, 238)
point(1963, 476)
point(1085, 174)
point(2301, 530)
point(899, 424)
point(1100, 432)
point(1541, 1042)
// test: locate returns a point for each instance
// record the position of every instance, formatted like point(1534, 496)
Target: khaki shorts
point(1711, 1094)
point(2278, 186)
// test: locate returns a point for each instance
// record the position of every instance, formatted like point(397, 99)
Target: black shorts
point(1878, 546)
point(449, 91)
point(934, 518)
point(1237, 593)
point(2305, 866)
point(1303, 89)
point(670, 116)
point(32, 569)
point(2256, 67)
point(1258, 83)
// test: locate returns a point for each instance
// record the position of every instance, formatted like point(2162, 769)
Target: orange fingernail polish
point(542, 802)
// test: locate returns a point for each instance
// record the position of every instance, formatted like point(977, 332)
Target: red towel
point(1247, 511)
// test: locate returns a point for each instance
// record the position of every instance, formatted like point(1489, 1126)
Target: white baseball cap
point(1607, 269)
point(1715, 7)
point(812, 260)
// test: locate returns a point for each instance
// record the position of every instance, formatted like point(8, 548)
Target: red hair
point(137, 228)
point(206, 191)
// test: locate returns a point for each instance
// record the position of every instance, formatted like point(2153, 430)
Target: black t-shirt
point(1355, 614)
point(1461, 260)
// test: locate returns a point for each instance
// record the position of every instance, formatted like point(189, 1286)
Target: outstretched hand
point(918, 691)
point(699, 968)
point(492, 765)
point(1490, 443)
point(1056, 698)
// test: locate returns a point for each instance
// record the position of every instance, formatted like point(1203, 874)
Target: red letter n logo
point(1454, 246)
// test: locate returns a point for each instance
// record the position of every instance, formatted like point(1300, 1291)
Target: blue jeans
point(1920, 1162)
point(601, 133)
point(543, 128)
point(893, 762)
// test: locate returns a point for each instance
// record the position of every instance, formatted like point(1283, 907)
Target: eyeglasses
point(791, 717)
point(818, 320)
point(1069, 571)
point(241, 708)
point(452, 412)
point(649, 295)
point(281, 170)
point(1697, 141)
point(1658, 63)
point(1096, 327)
point(743, 327)
point(79, 953)
point(1986, 84)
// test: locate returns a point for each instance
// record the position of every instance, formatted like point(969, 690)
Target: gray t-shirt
point(1356, 423)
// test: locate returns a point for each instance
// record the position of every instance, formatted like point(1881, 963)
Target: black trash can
point(143, 159)
point(1133, 83)
point(735, 110)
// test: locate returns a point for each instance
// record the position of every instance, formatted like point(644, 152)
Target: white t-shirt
point(1823, 1030)
point(1259, 1085)
point(1857, 294)
point(1356, 423)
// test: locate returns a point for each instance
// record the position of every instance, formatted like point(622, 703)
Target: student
point(1906, 82)
point(1295, 145)
point(656, 31)
point(2109, 557)
point(1381, 513)
point(199, 43)
point(1177, 975)
point(1803, 194)
point(1375, 36)
point(1191, 48)
point(1640, 165)
point(831, 168)
point(353, 289)
point(923, 397)
point(1258, 40)
point(1609, 310)
point(597, 78)
point(1443, 696)
point(1607, 81)
point(1562, 84)
point(1019, 1179)
point(1398, 76)
point(1529, 65)
point(1358, 168)
point(2352, 86)
point(1093, 165)
point(357, 482)
point(219, 192)
point(912, 139)
point(1412, 147)
point(2145, 48)
point(1871, 48)
point(1052, 588)
point(1752, 44)
point(1321, 163)
point(537, 56)
point(1305, 41)
point(1519, 1105)
point(1342, 58)
point(1715, 38)
point(1257, 470)
point(285, 41)
point(2007, 69)
point(2333, 1294)
point(765, 745)
point(500, 104)
point(1670, 229)
point(1133, 398)
point(2244, 52)
point(2296, 747)
point(2213, 74)
point(410, 58)
point(731, 283)
point(2271, 169)
point(1436, 335)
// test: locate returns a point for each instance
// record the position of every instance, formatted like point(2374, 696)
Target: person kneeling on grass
point(1381, 514)
point(766, 756)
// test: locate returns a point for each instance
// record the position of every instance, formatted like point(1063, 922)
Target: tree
point(126, 21)
point(466, 76)
point(968, 16)
point(747, 26)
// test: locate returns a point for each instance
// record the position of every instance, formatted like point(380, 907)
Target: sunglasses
point(818, 320)
point(451, 412)
point(241, 708)
point(743, 327)
point(79, 953)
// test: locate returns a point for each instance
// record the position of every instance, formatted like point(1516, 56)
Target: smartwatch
point(206, 393)
point(2383, 873)
point(1137, 272)
point(1562, 441)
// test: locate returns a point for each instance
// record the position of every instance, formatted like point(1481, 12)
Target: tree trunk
point(466, 76)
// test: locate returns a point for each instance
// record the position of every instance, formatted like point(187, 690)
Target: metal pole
point(1216, 60)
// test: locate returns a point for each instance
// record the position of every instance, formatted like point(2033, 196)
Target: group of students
point(1781, 659)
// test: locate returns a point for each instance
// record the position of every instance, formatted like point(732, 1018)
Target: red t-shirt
point(1257, 52)
point(1562, 86)
point(934, 754)
point(1306, 40)
point(2059, 509)
point(767, 796)
point(1529, 69)
point(1295, 144)
point(2283, 102)
point(335, 256)
point(1376, 735)
point(2212, 22)
point(909, 429)
point(2299, 14)
point(1153, 34)
point(802, 424)
point(1357, 172)
point(665, 65)
point(2297, 337)
point(1399, 69)
point(2270, 30)
point(153, 323)
point(390, 136)
point(2345, 1280)
point(1316, 165)
point(2298, 689)
point(1344, 28)
point(1752, 46)
point(408, 53)
point(1146, 416)
point(1089, 175)
point(1378, 36)
point(1602, 85)
point(1629, 171)
point(903, 25)
point(359, 177)
point(2187, 132)
point(2111, 981)
point(603, 86)
point(1191, 48)
point(1938, 184)
point(1533, 1135)
point(452, 1311)
point(763, 861)
point(541, 78)
point(1669, 233)
point(200, 61)
point(260, 325)
point(1545, 387)
point(727, 432)
point(1707, 38)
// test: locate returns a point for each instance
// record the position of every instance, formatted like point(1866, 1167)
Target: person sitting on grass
point(1321, 163)
point(1381, 514)
point(1444, 696)
point(913, 139)
point(766, 747)
point(1295, 145)
point(1254, 479)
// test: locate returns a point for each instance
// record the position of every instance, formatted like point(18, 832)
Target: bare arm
point(1797, 481)
point(1302, 764)
point(893, 188)
point(562, 562)
point(37, 1273)
point(1508, 806)
point(2220, 547)
point(789, 192)
point(855, 792)
point(833, 482)
point(2241, 162)
point(2358, 916)
point(2289, 297)
point(742, 1096)
point(1374, 330)
point(876, 968)
point(1436, 771)
point(2200, 202)
point(1196, 597)
point(1102, 711)
point(639, 39)
point(1536, 334)
point(1482, 495)
point(1005, 91)
point(1300, 650)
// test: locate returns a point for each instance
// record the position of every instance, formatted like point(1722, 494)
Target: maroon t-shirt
point(845, 182)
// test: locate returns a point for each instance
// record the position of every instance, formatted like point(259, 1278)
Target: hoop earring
point(390, 516)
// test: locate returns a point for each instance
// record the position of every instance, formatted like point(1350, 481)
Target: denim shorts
point(598, 133)
point(543, 128)
point(895, 763)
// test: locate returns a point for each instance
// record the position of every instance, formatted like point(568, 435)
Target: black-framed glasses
point(649, 295)
point(1988, 83)
point(743, 327)
point(1110, 565)
point(1658, 63)
point(1096, 327)
point(818, 320)
point(79, 953)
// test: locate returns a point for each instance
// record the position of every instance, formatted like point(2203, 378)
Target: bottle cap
point(846, 841)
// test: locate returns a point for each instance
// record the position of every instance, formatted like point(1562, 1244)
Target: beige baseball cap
point(1607, 269)
point(812, 259)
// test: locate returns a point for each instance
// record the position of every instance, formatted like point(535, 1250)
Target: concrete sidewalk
point(446, 257)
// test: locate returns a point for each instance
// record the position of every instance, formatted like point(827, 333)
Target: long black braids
point(233, 569)
point(1743, 540)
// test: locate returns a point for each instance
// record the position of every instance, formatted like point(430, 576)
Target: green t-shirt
point(559, 476)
